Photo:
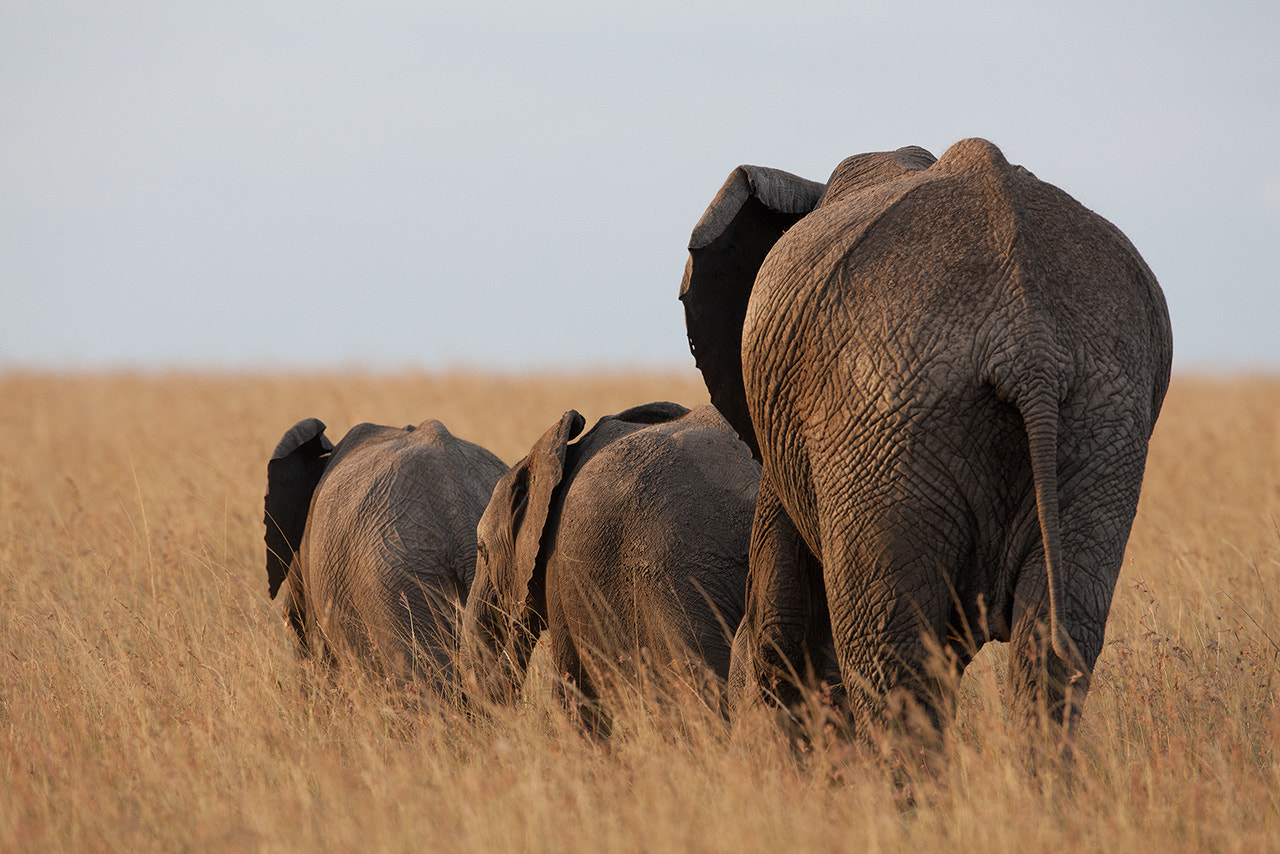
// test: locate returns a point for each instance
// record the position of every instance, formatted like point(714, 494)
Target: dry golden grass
point(150, 696)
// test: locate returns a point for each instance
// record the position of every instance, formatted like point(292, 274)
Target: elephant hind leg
point(901, 677)
point(782, 646)
point(573, 685)
point(1048, 691)
point(1102, 460)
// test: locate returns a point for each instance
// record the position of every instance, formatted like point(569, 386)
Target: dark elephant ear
point(752, 210)
point(658, 412)
point(293, 471)
point(527, 490)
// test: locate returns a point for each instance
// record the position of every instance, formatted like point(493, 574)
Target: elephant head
point(506, 609)
point(294, 470)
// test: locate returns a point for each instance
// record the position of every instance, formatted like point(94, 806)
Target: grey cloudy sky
point(504, 185)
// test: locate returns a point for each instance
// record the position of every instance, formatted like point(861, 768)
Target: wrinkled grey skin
point(950, 371)
point(633, 538)
point(372, 543)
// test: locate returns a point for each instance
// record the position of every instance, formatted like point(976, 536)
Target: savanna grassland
point(150, 696)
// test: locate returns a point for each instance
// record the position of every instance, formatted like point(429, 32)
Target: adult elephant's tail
point(1039, 408)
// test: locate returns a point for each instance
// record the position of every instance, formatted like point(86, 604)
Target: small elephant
point(630, 543)
point(950, 371)
point(373, 542)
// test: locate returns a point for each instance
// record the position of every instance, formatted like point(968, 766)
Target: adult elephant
point(950, 371)
point(627, 545)
point(373, 542)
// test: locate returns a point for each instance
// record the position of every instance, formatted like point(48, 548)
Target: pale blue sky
point(504, 185)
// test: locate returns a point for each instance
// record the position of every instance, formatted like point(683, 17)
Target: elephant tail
point(1040, 416)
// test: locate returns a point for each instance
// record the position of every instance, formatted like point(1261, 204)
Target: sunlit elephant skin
point(950, 371)
point(371, 543)
point(629, 544)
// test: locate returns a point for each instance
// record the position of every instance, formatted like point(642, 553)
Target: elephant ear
point(753, 209)
point(293, 471)
point(659, 412)
point(523, 497)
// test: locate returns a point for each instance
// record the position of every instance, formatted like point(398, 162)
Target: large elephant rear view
point(950, 371)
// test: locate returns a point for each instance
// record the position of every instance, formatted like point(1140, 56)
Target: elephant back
point(390, 547)
point(674, 502)
point(966, 261)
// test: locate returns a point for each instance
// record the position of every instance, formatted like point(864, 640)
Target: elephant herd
point(933, 385)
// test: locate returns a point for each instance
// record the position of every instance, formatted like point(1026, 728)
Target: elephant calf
point(631, 542)
point(374, 541)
